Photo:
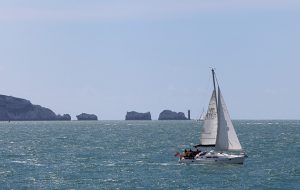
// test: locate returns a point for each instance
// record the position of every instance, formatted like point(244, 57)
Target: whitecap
point(109, 180)
point(19, 162)
point(5, 172)
point(165, 164)
point(61, 137)
point(112, 164)
point(31, 178)
point(38, 164)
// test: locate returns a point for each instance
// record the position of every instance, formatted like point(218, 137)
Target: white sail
point(209, 130)
point(217, 131)
point(226, 136)
point(202, 116)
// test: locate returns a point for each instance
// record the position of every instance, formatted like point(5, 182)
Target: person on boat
point(191, 154)
point(184, 154)
point(194, 153)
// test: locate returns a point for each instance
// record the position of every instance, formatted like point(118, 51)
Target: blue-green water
point(140, 154)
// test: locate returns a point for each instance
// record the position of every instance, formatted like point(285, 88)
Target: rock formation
point(170, 115)
point(85, 116)
point(138, 116)
point(63, 117)
point(18, 109)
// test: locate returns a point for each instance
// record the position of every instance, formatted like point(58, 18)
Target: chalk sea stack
point(170, 115)
point(138, 116)
point(18, 109)
point(86, 116)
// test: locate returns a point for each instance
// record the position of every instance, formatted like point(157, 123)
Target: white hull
point(215, 158)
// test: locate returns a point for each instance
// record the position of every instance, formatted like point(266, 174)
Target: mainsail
point(226, 135)
point(209, 130)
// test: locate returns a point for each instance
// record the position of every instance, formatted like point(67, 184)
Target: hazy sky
point(109, 57)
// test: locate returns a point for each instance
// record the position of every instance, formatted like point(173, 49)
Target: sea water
point(140, 155)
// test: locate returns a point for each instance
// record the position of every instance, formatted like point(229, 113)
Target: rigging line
point(216, 79)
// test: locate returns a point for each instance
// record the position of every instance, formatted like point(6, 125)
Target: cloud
point(117, 10)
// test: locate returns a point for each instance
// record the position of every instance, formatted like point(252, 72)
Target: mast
point(208, 132)
point(213, 74)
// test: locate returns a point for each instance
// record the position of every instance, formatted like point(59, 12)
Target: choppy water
point(140, 154)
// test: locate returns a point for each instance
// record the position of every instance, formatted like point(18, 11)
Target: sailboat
point(202, 116)
point(217, 132)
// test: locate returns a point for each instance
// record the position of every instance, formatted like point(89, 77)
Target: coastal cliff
point(138, 116)
point(18, 109)
point(85, 116)
point(170, 115)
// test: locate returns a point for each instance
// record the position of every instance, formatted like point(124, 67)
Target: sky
point(108, 57)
